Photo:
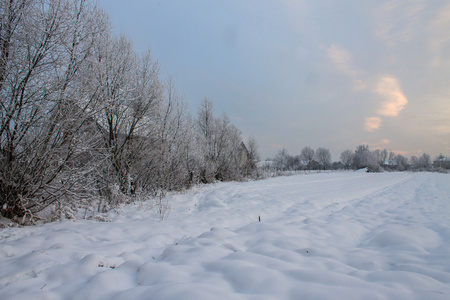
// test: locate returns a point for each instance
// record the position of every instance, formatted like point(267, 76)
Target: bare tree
point(205, 121)
point(307, 156)
point(401, 162)
point(165, 166)
point(207, 129)
point(128, 88)
point(228, 146)
point(251, 158)
point(281, 160)
point(424, 161)
point(43, 45)
point(347, 158)
point(381, 156)
point(414, 161)
point(364, 158)
point(221, 144)
point(253, 150)
point(391, 159)
point(83, 116)
point(323, 157)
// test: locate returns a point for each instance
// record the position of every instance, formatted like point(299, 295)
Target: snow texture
point(349, 235)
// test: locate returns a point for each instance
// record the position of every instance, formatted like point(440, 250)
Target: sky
point(334, 74)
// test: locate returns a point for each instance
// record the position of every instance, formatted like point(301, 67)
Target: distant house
point(442, 162)
point(245, 160)
point(338, 166)
point(314, 165)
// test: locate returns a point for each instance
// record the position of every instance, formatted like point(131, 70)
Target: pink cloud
point(372, 124)
point(394, 100)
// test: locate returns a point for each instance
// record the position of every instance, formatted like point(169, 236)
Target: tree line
point(362, 157)
point(87, 119)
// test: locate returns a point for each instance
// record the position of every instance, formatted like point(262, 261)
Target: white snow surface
point(347, 235)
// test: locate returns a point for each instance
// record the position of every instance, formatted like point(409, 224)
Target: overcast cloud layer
point(332, 74)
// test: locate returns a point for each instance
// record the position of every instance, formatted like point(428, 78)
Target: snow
point(345, 235)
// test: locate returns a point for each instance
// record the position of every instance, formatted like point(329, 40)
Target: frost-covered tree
point(281, 160)
point(307, 156)
point(45, 112)
point(228, 149)
point(414, 162)
point(253, 158)
point(391, 159)
point(364, 158)
point(252, 147)
point(323, 157)
point(381, 156)
point(221, 144)
point(206, 125)
point(83, 116)
point(347, 158)
point(293, 163)
point(401, 162)
point(424, 162)
point(165, 157)
point(128, 88)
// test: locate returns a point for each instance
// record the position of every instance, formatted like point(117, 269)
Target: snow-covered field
point(322, 236)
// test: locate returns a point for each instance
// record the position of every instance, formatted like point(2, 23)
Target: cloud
point(394, 99)
point(388, 87)
point(443, 129)
point(342, 59)
point(372, 124)
point(402, 24)
point(397, 22)
point(439, 39)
